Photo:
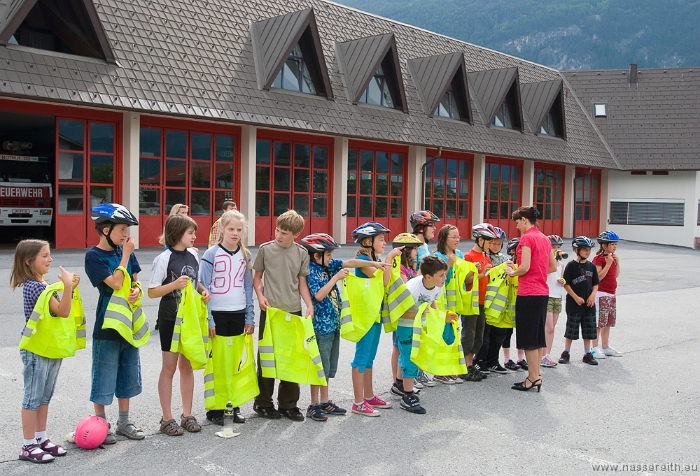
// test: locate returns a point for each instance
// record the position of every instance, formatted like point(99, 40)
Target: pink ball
point(91, 432)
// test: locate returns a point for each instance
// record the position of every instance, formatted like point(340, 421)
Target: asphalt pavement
point(639, 410)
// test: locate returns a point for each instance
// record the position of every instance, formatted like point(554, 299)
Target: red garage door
point(376, 186)
point(293, 171)
point(549, 198)
point(502, 192)
point(587, 206)
point(448, 188)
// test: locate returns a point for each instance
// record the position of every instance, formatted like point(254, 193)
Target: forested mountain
point(563, 34)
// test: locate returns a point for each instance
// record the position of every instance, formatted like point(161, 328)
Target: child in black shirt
point(581, 285)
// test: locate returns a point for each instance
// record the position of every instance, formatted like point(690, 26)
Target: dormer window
point(294, 75)
point(547, 126)
point(377, 92)
point(503, 117)
point(448, 106)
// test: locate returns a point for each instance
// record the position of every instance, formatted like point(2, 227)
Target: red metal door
point(376, 186)
point(502, 193)
point(447, 189)
point(87, 173)
point(549, 198)
point(587, 202)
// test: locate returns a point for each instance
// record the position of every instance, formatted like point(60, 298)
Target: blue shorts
point(116, 371)
point(405, 338)
point(329, 348)
point(40, 374)
point(366, 348)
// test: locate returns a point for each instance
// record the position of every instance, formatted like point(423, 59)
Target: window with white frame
point(599, 110)
point(666, 213)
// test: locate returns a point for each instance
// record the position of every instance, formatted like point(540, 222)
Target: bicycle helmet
point(512, 245)
point(608, 237)
point(319, 242)
point(486, 231)
point(423, 217)
point(501, 234)
point(555, 240)
point(409, 240)
point(368, 230)
point(581, 242)
point(113, 213)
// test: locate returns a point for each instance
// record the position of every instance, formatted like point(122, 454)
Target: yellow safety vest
point(361, 304)
point(496, 294)
point(288, 349)
point(191, 332)
point(48, 336)
point(76, 309)
point(512, 296)
point(467, 302)
point(397, 298)
point(230, 374)
point(429, 350)
point(126, 318)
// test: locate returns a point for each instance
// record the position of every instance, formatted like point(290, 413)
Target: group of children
point(283, 275)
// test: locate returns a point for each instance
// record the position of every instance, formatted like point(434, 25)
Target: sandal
point(190, 424)
point(52, 449)
point(35, 454)
point(129, 430)
point(171, 428)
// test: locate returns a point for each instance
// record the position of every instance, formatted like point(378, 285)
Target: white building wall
point(696, 208)
point(674, 186)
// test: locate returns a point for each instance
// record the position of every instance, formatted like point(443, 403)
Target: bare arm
point(116, 280)
point(361, 263)
point(525, 259)
point(552, 263)
point(306, 296)
point(161, 291)
point(323, 292)
point(70, 281)
point(603, 270)
point(258, 288)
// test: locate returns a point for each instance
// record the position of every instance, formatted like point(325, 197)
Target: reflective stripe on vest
point(496, 294)
point(288, 349)
point(469, 299)
point(429, 351)
point(53, 337)
point(361, 304)
point(76, 309)
point(397, 298)
point(126, 318)
point(191, 332)
point(230, 374)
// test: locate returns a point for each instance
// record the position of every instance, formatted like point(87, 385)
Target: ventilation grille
point(647, 213)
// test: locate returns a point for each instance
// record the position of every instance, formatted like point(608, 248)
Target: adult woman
point(535, 262)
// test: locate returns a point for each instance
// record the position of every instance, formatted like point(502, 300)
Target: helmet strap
point(108, 236)
point(481, 246)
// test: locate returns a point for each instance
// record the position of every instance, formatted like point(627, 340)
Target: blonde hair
point(290, 221)
point(176, 209)
point(175, 228)
point(226, 218)
point(25, 254)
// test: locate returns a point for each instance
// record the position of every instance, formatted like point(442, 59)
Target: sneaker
point(315, 412)
point(293, 414)
point(610, 352)
point(364, 409)
point(598, 352)
point(377, 402)
point(331, 408)
point(497, 368)
point(411, 404)
point(443, 379)
point(110, 439)
point(510, 365)
point(565, 357)
point(417, 384)
point(35, 454)
point(589, 359)
point(425, 380)
point(547, 362)
point(523, 364)
point(457, 379)
point(482, 368)
point(396, 390)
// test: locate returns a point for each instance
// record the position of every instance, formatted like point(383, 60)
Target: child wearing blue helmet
point(608, 265)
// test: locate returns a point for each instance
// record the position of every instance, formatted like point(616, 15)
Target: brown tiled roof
point(538, 99)
point(433, 75)
point(195, 59)
point(653, 124)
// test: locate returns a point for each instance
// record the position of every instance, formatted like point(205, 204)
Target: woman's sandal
point(171, 428)
point(522, 385)
point(190, 424)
